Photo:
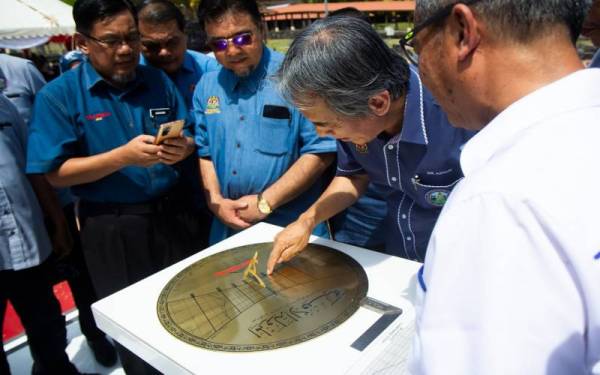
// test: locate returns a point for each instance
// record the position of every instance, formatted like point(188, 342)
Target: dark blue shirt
point(194, 65)
point(80, 114)
point(253, 136)
point(362, 224)
point(415, 169)
point(595, 62)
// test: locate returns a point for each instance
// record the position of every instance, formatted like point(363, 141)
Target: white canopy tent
point(28, 23)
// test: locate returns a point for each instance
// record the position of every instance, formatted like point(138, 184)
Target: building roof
point(316, 10)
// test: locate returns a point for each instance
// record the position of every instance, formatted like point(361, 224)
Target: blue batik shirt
point(416, 169)
point(24, 242)
point(253, 135)
point(80, 114)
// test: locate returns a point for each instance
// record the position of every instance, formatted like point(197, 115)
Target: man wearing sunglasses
point(93, 129)
point(390, 132)
point(511, 280)
point(259, 157)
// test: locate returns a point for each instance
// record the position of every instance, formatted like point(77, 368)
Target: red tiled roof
point(317, 9)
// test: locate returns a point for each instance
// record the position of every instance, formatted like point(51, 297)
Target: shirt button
point(394, 179)
point(409, 238)
point(234, 173)
point(404, 216)
point(241, 118)
point(390, 147)
point(237, 145)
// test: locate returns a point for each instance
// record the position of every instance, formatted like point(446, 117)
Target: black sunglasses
point(408, 38)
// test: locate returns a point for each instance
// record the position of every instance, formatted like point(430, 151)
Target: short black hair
point(88, 12)
point(211, 10)
point(158, 12)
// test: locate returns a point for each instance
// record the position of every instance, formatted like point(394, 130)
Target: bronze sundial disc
point(215, 304)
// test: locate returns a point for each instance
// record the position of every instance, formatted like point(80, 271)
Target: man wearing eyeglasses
point(390, 132)
point(164, 46)
point(259, 157)
point(511, 280)
point(93, 129)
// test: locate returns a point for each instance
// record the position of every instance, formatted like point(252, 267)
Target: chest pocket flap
point(274, 130)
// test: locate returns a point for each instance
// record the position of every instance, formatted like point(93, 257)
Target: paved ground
point(20, 360)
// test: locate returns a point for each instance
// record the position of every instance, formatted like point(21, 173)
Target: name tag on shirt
point(157, 112)
point(5, 125)
point(276, 111)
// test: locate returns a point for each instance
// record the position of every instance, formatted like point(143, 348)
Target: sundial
point(226, 302)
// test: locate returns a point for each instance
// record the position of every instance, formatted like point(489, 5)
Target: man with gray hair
point(511, 280)
point(390, 132)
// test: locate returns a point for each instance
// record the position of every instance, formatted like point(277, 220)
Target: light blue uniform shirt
point(79, 114)
point(20, 81)
point(252, 135)
point(194, 65)
point(24, 242)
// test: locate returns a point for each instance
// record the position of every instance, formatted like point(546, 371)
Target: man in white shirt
point(511, 280)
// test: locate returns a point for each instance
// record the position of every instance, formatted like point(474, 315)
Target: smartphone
point(169, 130)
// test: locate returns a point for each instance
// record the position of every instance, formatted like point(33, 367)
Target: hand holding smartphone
point(169, 130)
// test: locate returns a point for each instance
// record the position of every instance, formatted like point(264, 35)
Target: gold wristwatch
point(263, 205)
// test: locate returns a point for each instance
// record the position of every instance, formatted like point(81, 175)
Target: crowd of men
point(462, 151)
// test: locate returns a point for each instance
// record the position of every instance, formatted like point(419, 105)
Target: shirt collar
point(188, 63)
point(413, 124)
point(253, 79)
point(94, 80)
point(575, 91)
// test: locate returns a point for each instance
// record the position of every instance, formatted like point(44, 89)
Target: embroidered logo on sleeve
point(212, 105)
point(97, 116)
point(437, 197)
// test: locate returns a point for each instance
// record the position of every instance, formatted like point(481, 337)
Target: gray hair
point(343, 61)
point(521, 20)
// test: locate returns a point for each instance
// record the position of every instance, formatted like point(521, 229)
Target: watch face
point(263, 207)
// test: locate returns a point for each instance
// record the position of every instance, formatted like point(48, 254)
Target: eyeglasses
point(153, 46)
point(113, 42)
point(238, 40)
point(408, 38)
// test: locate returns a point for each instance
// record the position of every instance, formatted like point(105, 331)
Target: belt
point(167, 203)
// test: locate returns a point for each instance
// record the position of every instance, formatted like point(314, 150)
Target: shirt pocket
point(433, 194)
point(157, 117)
point(273, 136)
